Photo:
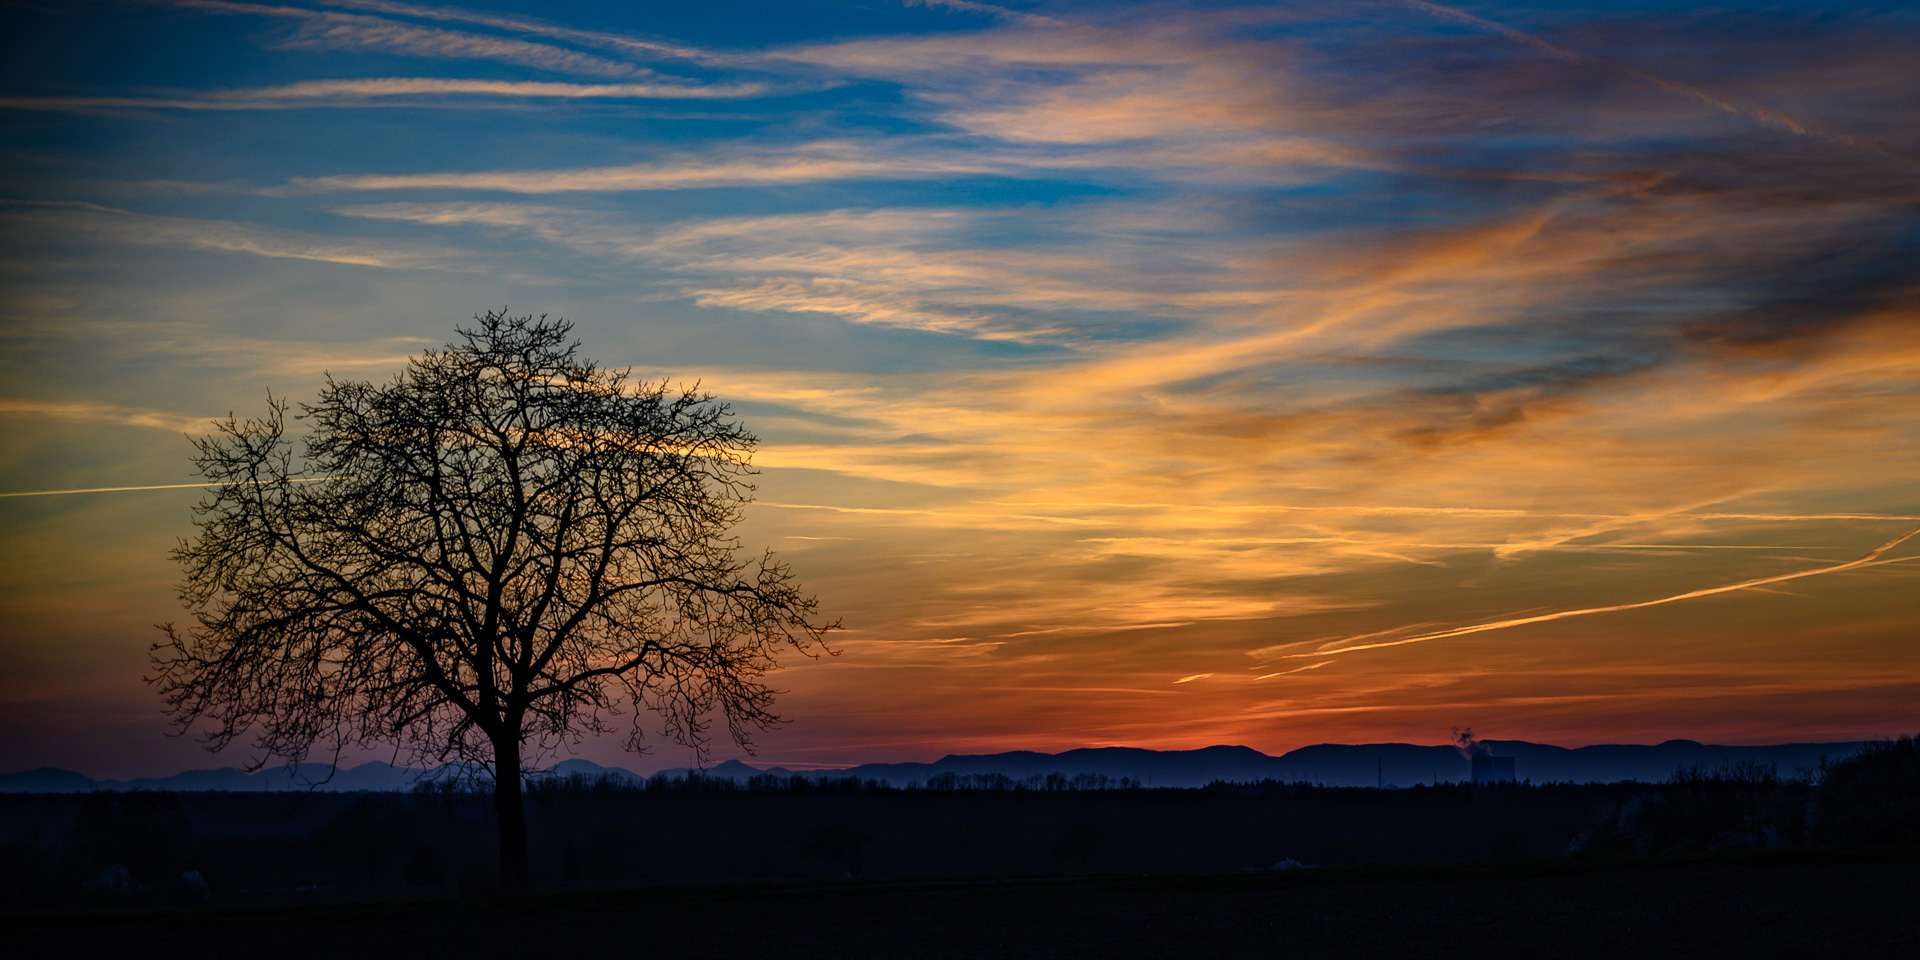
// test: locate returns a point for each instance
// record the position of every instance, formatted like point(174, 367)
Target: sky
point(1159, 375)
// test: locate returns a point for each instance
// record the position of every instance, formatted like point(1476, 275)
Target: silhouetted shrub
point(145, 833)
point(1872, 797)
point(580, 784)
point(31, 872)
point(423, 868)
point(365, 843)
point(1080, 843)
point(971, 781)
point(838, 846)
point(1744, 805)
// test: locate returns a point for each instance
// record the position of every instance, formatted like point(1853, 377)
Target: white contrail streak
point(1871, 556)
point(1771, 118)
point(1282, 673)
point(161, 486)
point(1442, 511)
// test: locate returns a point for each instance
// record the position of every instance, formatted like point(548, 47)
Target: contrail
point(1443, 511)
point(162, 486)
point(1871, 556)
point(1772, 118)
point(1310, 666)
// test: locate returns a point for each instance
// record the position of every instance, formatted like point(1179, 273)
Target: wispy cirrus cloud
point(1079, 82)
point(1804, 126)
point(1197, 399)
point(1218, 533)
point(325, 29)
point(84, 410)
point(396, 91)
point(808, 163)
point(1870, 558)
point(526, 25)
point(112, 225)
point(943, 269)
point(1099, 347)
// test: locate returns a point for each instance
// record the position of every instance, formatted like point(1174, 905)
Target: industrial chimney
point(1492, 769)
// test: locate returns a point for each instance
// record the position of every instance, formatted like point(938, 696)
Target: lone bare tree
point(495, 553)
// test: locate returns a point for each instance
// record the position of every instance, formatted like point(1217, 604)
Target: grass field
point(1798, 904)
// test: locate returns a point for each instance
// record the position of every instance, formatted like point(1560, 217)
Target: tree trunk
point(510, 809)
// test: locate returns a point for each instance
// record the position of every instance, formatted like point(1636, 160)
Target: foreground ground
point(1802, 904)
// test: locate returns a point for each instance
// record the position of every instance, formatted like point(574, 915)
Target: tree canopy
point(497, 552)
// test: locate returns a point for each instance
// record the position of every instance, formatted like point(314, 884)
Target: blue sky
point(1118, 366)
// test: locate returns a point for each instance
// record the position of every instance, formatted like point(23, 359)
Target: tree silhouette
point(495, 553)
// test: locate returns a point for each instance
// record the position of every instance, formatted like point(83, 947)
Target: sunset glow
point(1161, 375)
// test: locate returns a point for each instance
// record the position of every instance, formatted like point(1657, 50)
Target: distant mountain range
point(1346, 765)
point(1332, 764)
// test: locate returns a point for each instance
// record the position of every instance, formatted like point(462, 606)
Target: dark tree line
point(139, 846)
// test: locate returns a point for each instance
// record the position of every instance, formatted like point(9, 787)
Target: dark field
point(1772, 904)
point(1728, 863)
point(253, 848)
